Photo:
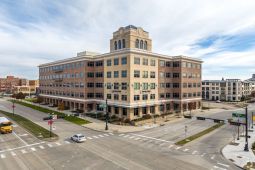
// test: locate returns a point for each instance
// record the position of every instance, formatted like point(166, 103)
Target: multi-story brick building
point(134, 80)
point(29, 88)
point(7, 84)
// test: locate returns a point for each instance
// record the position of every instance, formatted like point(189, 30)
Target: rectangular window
point(145, 96)
point(168, 75)
point(168, 95)
point(152, 74)
point(99, 63)
point(109, 86)
point(124, 86)
point(90, 64)
point(109, 62)
point(175, 85)
point(124, 73)
point(99, 74)
point(184, 64)
point(152, 109)
point(109, 96)
point(137, 86)
point(116, 97)
point(124, 60)
point(124, 111)
point(99, 85)
point(152, 85)
point(176, 95)
point(153, 62)
point(168, 85)
point(137, 60)
point(145, 86)
point(152, 96)
point(136, 112)
point(161, 95)
point(116, 110)
point(168, 64)
point(176, 64)
point(176, 75)
point(162, 63)
point(89, 85)
point(109, 74)
point(136, 97)
point(116, 86)
point(136, 73)
point(161, 74)
point(124, 97)
point(162, 85)
point(90, 74)
point(116, 61)
point(116, 74)
point(184, 85)
point(145, 74)
point(145, 61)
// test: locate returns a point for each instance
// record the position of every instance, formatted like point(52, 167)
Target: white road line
point(101, 136)
point(126, 136)
point(106, 134)
point(50, 145)
point(216, 167)
point(121, 135)
point(213, 157)
point(89, 138)
point(223, 164)
point(131, 137)
point(13, 153)
point(23, 134)
point(95, 137)
point(178, 148)
point(20, 138)
point(194, 152)
point(137, 138)
point(33, 149)
point(42, 147)
point(153, 138)
point(3, 156)
point(111, 133)
point(11, 149)
point(23, 151)
point(67, 142)
point(185, 150)
point(57, 143)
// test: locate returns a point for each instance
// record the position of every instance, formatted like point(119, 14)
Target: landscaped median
point(33, 128)
point(69, 118)
point(202, 133)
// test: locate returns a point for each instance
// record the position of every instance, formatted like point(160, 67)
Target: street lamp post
point(246, 130)
point(106, 115)
point(13, 107)
point(252, 120)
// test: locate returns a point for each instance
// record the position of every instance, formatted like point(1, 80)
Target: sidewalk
point(236, 153)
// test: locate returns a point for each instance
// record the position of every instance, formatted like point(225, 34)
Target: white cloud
point(174, 26)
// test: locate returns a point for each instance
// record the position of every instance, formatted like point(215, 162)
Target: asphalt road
point(150, 149)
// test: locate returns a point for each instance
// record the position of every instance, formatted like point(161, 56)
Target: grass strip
point(73, 119)
point(33, 128)
point(193, 137)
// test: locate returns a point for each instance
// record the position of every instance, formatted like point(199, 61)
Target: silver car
point(78, 138)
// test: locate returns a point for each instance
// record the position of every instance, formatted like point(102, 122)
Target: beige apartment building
point(134, 80)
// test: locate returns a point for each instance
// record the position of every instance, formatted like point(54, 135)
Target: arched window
point(115, 45)
point(141, 44)
point(137, 43)
point(123, 43)
point(145, 45)
point(119, 44)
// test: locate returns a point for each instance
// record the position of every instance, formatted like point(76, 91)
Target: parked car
point(48, 117)
point(78, 138)
point(218, 101)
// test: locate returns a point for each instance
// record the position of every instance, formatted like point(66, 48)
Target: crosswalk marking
point(42, 147)
point(89, 137)
point(185, 150)
point(162, 144)
point(213, 157)
point(223, 164)
point(121, 135)
point(23, 151)
point(106, 134)
point(170, 146)
point(126, 136)
point(95, 137)
point(178, 148)
point(216, 167)
point(13, 153)
point(137, 138)
point(3, 156)
point(33, 149)
point(111, 133)
point(131, 137)
point(50, 145)
point(67, 142)
point(57, 143)
point(194, 152)
point(101, 136)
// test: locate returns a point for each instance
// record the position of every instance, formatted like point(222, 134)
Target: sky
point(220, 32)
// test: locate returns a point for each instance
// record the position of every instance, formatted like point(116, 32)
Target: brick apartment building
point(134, 80)
point(7, 84)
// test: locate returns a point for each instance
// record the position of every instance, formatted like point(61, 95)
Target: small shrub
point(147, 116)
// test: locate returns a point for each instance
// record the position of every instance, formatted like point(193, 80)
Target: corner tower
point(130, 37)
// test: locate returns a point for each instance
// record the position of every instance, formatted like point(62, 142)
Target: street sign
point(50, 122)
point(239, 117)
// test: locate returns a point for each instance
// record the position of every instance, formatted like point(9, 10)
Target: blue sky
point(220, 32)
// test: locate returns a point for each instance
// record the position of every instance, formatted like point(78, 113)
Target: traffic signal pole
point(246, 130)
point(106, 115)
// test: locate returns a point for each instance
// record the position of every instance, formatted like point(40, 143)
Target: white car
point(218, 101)
point(78, 138)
